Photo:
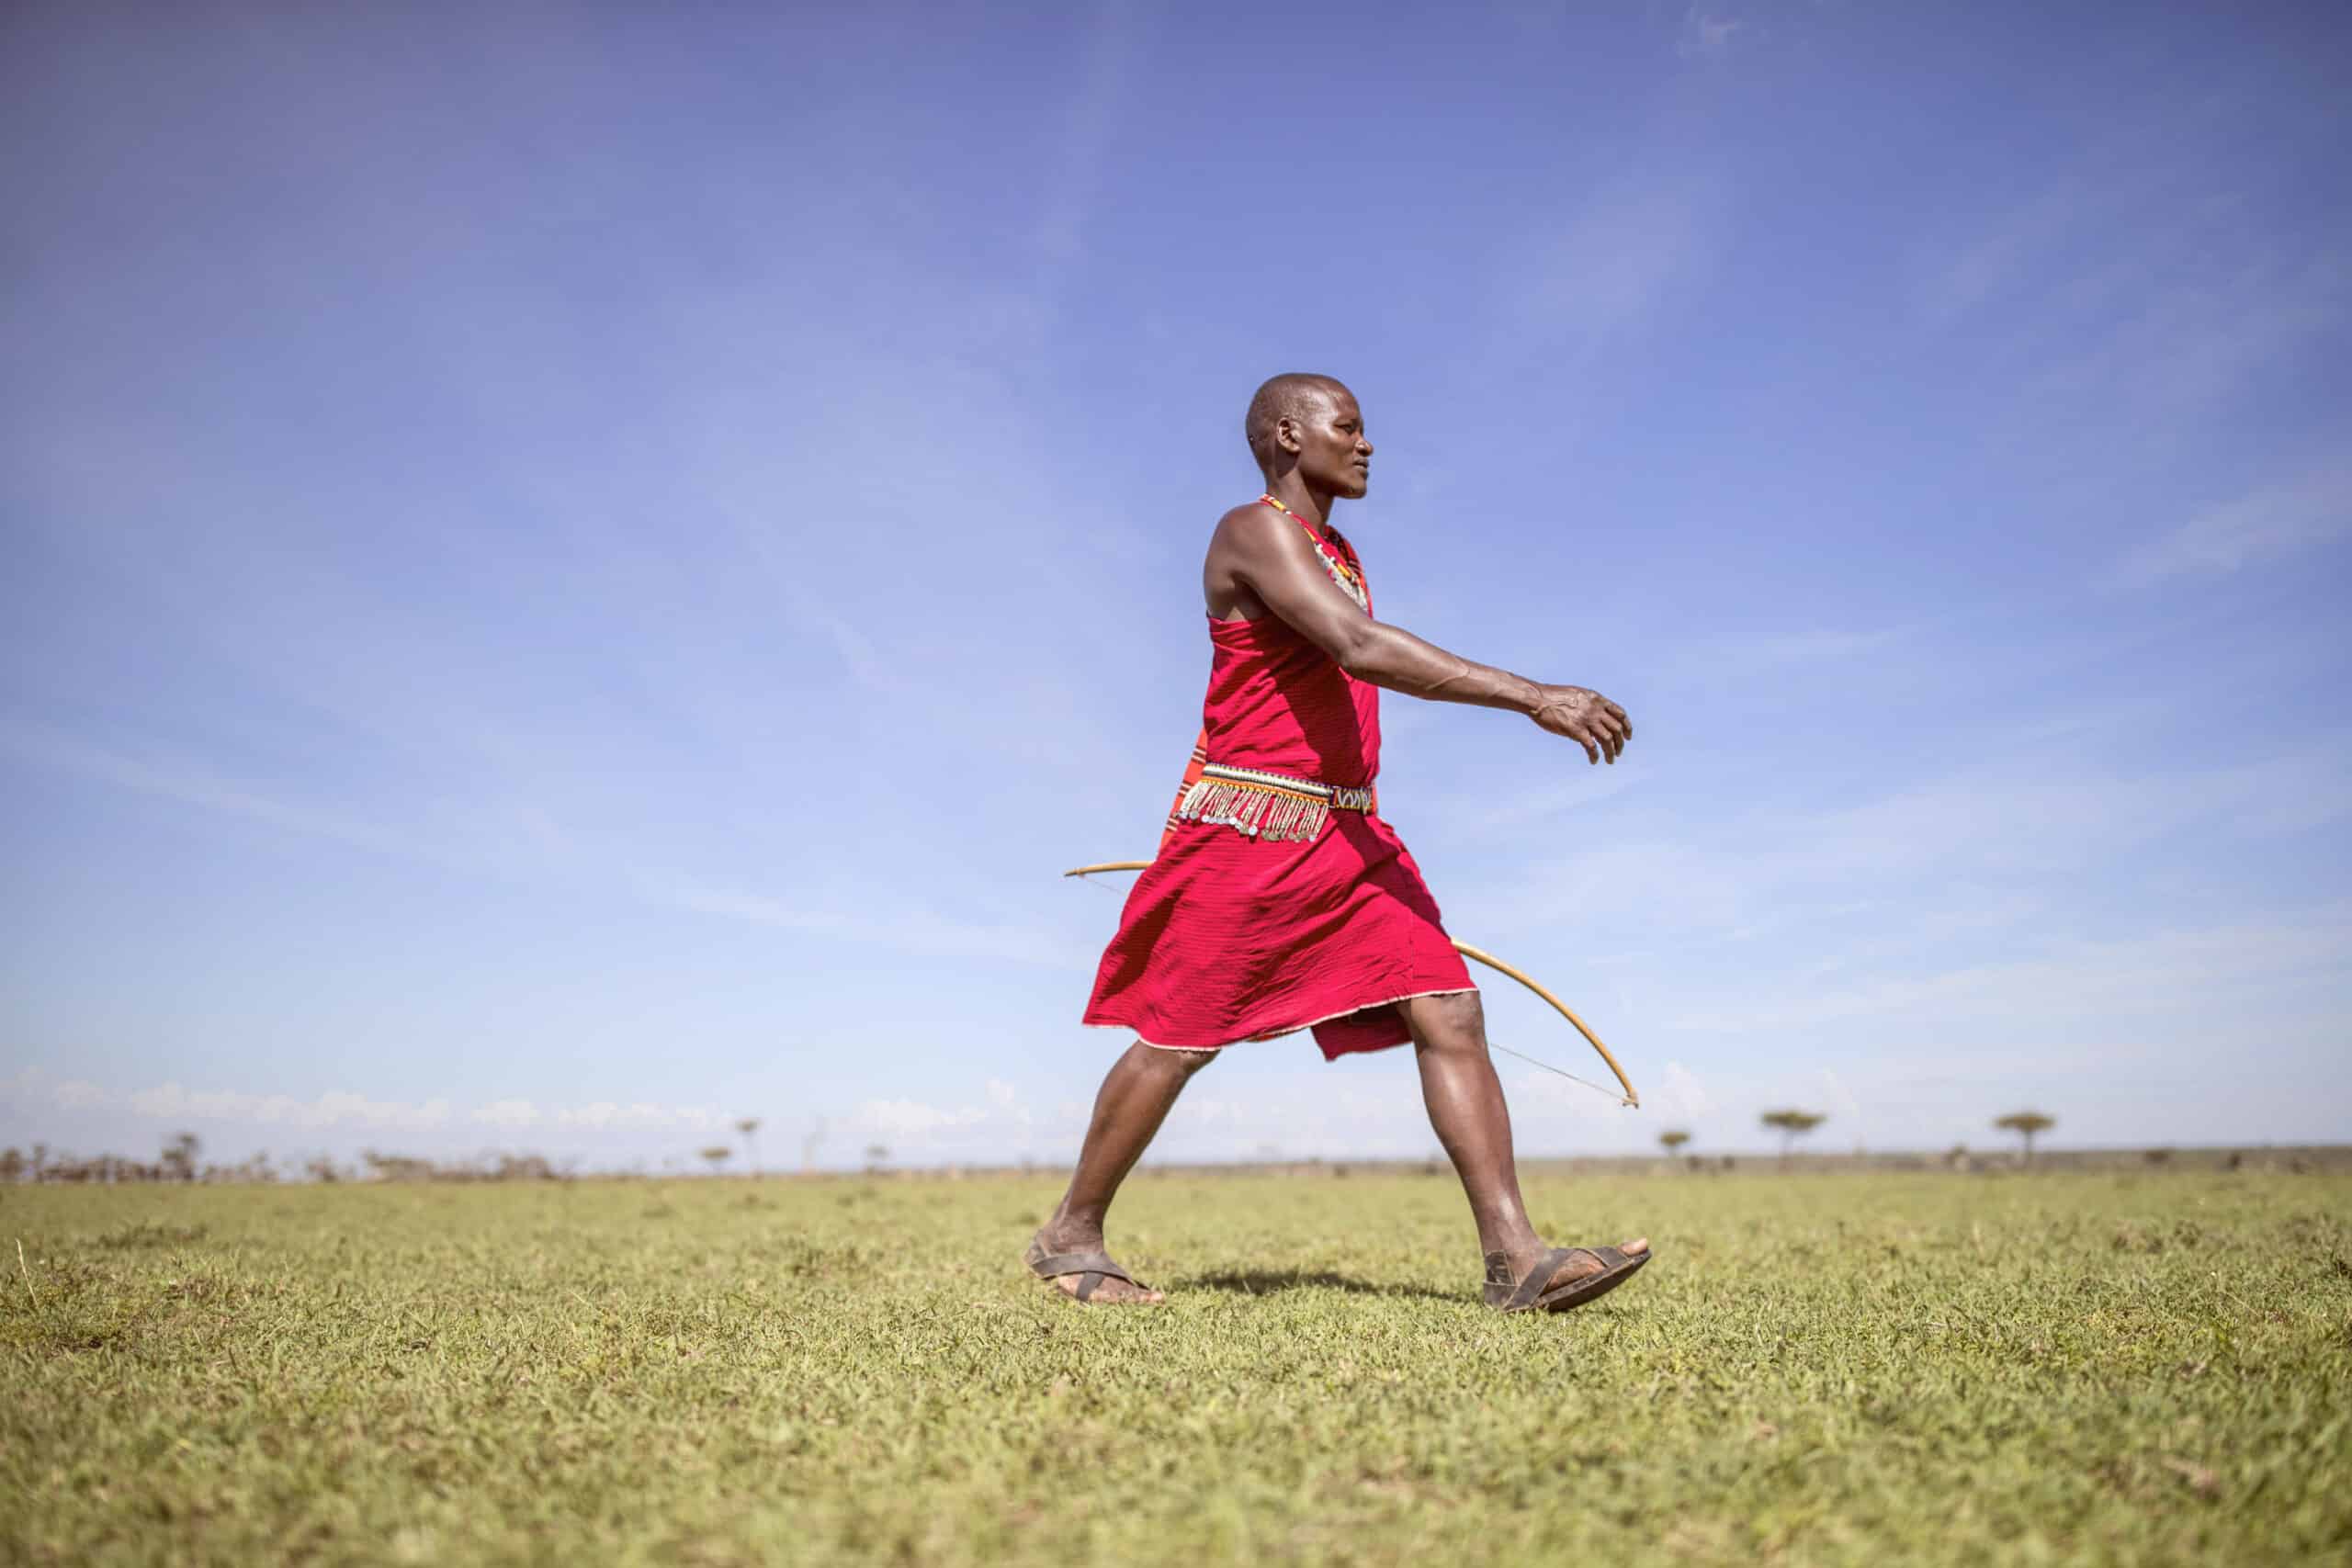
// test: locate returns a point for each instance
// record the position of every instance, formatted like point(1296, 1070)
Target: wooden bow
point(1491, 962)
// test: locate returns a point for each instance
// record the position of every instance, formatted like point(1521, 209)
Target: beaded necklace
point(1349, 579)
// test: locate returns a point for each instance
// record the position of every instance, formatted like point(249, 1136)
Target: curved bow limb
point(1491, 962)
point(1631, 1096)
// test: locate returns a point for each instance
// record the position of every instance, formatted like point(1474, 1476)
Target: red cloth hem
point(1404, 1035)
point(1337, 1034)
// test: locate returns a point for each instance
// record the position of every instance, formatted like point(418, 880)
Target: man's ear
point(1286, 433)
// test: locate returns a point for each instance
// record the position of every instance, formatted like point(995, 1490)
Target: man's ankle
point(1066, 1229)
point(1517, 1249)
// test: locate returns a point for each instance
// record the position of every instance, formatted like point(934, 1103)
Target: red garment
point(1229, 937)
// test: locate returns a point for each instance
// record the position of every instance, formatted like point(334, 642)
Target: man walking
point(1280, 899)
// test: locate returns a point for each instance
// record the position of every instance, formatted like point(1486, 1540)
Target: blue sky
point(577, 571)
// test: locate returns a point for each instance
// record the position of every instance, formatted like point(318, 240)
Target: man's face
point(1334, 455)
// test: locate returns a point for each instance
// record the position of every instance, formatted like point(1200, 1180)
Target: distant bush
point(179, 1164)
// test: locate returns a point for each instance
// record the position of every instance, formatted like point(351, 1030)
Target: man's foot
point(1072, 1261)
point(1556, 1279)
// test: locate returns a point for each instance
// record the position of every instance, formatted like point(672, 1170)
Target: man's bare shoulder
point(1252, 522)
point(1248, 545)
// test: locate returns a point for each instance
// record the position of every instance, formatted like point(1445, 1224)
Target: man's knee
point(1447, 1023)
point(1183, 1061)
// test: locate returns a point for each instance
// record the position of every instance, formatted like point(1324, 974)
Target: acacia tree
point(1672, 1140)
point(179, 1157)
point(717, 1153)
point(2026, 1124)
point(750, 1127)
point(1792, 1125)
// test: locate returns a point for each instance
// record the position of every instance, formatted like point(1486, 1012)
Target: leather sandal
point(1534, 1291)
point(1096, 1266)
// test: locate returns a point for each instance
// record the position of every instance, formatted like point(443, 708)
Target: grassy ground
point(1819, 1368)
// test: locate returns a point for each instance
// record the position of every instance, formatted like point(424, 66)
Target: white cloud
point(1593, 1102)
point(80, 1094)
point(908, 930)
point(193, 783)
point(912, 1118)
point(1976, 841)
point(1090, 103)
point(2078, 980)
point(342, 1109)
point(2266, 524)
point(609, 1115)
point(172, 1102)
point(1004, 1100)
point(1483, 813)
point(1839, 1099)
point(1614, 260)
point(1706, 33)
point(1965, 273)
point(1680, 1094)
point(2134, 277)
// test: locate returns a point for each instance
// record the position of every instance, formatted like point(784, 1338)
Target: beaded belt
point(1268, 806)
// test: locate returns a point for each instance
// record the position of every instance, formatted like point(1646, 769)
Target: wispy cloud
point(2173, 975)
point(599, 1116)
point(1002, 1121)
point(170, 1102)
point(1614, 260)
point(1097, 89)
point(2264, 525)
point(1680, 1094)
point(342, 1109)
point(1490, 813)
point(1968, 271)
point(1991, 833)
point(603, 1114)
point(1707, 32)
point(918, 931)
point(904, 1119)
point(80, 1094)
point(35, 1090)
point(2139, 277)
point(191, 784)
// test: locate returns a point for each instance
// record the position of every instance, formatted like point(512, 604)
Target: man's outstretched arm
point(1271, 556)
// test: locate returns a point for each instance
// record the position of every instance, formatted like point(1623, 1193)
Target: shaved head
point(1294, 396)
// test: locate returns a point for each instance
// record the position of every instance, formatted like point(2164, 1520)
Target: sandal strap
point(1053, 1265)
point(1508, 1296)
point(1535, 1290)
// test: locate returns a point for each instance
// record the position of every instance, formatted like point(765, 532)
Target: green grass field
point(1821, 1368)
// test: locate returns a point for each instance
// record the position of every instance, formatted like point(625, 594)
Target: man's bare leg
point(1135, 1099)
point(1467, 1107)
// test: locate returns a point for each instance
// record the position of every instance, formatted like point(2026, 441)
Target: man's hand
point(1587, 717)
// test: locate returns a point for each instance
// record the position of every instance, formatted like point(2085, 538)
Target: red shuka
point(1227, 937)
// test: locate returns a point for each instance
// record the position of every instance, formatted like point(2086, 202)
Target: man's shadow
point(1268, 1281)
